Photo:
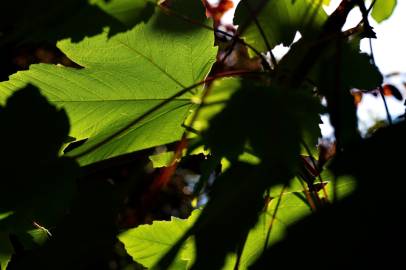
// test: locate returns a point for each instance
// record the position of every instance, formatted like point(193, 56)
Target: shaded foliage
point(37, 184)
point(73, 179)
point(363, 230)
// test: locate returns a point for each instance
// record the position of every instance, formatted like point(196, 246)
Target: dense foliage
point(138, 82)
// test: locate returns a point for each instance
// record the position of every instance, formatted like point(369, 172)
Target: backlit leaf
point(123, 77)
point(383, 9)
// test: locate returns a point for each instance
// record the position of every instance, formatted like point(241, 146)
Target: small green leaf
point(163, 159)
point(383, 9)
point(146, 244)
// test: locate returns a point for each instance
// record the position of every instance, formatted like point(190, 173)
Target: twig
point(307, 194)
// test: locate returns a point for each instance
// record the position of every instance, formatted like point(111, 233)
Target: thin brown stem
point(308, 195)
point(316, 167)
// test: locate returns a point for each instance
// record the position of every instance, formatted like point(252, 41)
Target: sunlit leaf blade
point(383, 9)
point(122, 78)
point(146, 244)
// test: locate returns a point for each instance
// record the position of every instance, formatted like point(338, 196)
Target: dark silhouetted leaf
point(37, 185)
point(364, 229)
point(87, 234)
point(346, 73)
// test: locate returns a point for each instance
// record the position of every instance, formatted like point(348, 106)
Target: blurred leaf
point(244, 157)
point(258, 115)
point(383, 9)
point(6, 250)
point(221, 217)
point(87, 233)
point(32, 239)
point(352, 69)
point(124, 77)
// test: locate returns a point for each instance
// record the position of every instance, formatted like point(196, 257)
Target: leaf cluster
point(147, 74)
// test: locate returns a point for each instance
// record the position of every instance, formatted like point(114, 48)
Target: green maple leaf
point(123, 77)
